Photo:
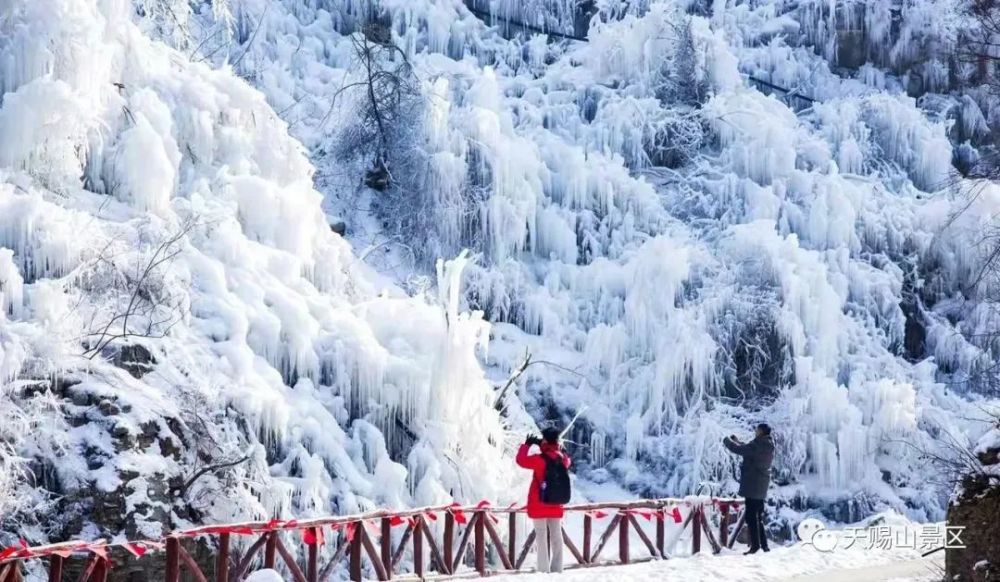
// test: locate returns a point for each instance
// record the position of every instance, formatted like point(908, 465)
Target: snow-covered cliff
point(155, 214)
point(681, 253)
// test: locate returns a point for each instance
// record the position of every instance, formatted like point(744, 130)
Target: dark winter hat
point(764, 428)
point(551, 435)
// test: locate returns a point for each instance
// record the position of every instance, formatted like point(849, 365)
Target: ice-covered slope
point(155, 214)
point(682, 255)
point(794, 268)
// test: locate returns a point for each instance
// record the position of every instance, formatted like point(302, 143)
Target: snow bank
point(265, 576)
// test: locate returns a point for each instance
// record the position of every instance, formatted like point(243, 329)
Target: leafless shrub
point(142, 305)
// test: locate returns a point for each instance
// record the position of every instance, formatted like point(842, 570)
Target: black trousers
point(754, 519)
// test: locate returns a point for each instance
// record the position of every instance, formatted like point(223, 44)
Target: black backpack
point(555, 487)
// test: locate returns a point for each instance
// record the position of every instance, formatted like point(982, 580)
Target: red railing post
point(55, 568)
point(512, 539)
point(312, 567)
point(480, 542)
point(695, 522)
point(222, 560)
point(11, 573)
point(724, 524)
point(588, 526)
point(661, 532)
point(355, 560)
point(270, 549)
point(385, 542)
point(100, 572)
point(418, 548)
point(173, 567)
point(623, 546)
point(449, 542)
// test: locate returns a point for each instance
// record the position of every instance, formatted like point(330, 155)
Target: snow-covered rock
point(987, 450)
point(264, 576)
point(975, 509)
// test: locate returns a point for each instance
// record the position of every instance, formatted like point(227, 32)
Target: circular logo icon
point(825, 540)
point(808, 528)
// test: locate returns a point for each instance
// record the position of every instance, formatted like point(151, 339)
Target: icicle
point(11, 286)
point(598, 449)
point(634, 435)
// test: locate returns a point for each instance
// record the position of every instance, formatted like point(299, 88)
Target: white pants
point(549, 542)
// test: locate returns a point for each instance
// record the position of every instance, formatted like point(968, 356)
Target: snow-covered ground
point(889, 547)
point(795, 564)
point(798, 563)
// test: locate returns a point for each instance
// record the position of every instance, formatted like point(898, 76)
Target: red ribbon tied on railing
point(136, 549)
point(458, 514)
point(313, 536)
point(676, 514)
point(597, 514)
point(485, 505)
point(643, 512)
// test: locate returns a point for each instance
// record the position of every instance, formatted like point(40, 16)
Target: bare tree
point(387, 100)
point(976, 68)
point(954, 458)
point(979, 44)
point(679, 82)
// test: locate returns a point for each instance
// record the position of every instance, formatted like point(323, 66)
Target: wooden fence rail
point(445, 541)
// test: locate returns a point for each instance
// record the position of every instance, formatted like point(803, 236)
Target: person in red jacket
point(547, 517)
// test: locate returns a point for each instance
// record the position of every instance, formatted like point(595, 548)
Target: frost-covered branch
point(383, 113)
point(498, 403)
point(958, 461)
point(253, 36)
point(142, 300)
point(208, 469)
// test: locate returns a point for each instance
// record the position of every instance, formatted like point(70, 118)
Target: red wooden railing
point(373, 544)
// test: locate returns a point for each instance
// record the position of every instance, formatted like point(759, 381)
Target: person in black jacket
point(755, 476)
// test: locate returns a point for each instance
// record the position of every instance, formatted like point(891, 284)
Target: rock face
point(135, 359)
point(977, 508)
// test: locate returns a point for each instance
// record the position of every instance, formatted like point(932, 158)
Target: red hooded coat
point(537, 509)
